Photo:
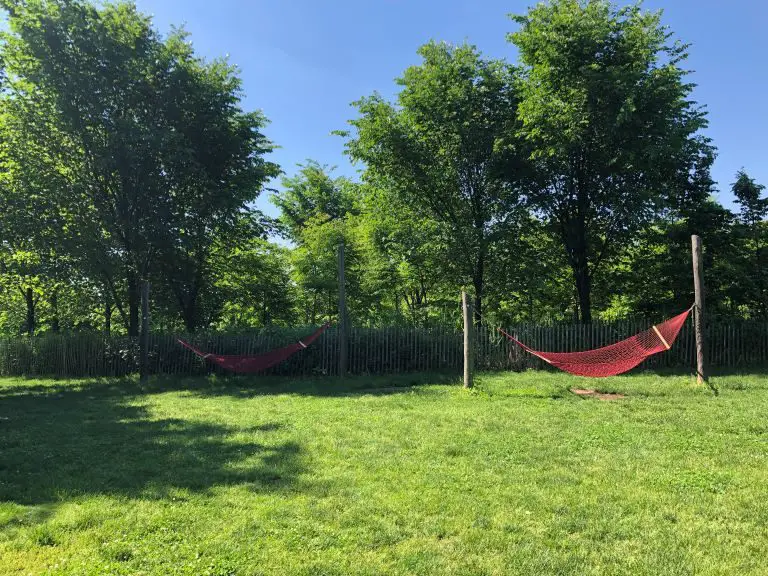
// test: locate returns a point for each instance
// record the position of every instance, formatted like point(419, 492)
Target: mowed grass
point(379, 476)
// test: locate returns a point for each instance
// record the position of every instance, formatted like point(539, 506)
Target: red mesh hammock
point(616, 358)
point(257, 363)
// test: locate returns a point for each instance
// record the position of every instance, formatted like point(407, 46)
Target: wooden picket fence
point(396, 349)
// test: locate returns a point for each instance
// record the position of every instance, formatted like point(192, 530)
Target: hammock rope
point(616, 358)
point(245, 364)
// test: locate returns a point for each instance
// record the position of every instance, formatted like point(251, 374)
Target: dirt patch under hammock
point(594, 394)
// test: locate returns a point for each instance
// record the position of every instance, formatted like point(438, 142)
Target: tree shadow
point(254, 385)
point(240, 385)
point(63, 439)
point(251, 386)
point(58, 442)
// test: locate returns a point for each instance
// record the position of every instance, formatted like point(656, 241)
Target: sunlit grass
point(402, 475)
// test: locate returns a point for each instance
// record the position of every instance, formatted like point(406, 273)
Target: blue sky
point(304, 61)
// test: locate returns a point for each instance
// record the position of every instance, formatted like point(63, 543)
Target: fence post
point(698, 309)
point(144, 341)
point(468, 356)
point(343, 325)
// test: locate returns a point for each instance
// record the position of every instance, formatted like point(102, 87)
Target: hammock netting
point(259, 362)
point(616, 358)
point(600, 362)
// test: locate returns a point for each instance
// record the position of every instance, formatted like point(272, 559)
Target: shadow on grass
point(238, 386)
point(251, 386)
point(59, 442)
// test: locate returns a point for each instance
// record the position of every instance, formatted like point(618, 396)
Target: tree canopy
point(439, 148)
point(611, 123)
point(146, 158)
point(561, 186)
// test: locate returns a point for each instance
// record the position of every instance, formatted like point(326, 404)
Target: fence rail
point(737, 345)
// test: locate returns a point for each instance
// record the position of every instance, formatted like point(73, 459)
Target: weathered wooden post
point(144, 341)
point(698, 311)
point(343, 324)
point(468, 352)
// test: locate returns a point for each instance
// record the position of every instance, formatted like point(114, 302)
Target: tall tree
point(752, 214)
point(158, 157)
point(315, 214)
point(407, 266)
point(748, 193)
point(212, 154)
point(439, 148)
point(608, 114)
point(655, 270)
point(96, 70)
point(32, 228)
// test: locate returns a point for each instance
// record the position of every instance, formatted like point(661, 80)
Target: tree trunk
point(187, 301)
point(113, 297)
point(468, 333)
point(133, 304)
point(574, 236)
point(576, 318)
point(266, 317)
point(573, 230)
point(189, 311)
point(29, 298)
point(478, 284)
point(55, 312)
point(107, 315)
point(530, 304)
point(584, 291)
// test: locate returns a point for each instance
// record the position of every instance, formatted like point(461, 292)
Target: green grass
point(250, 476)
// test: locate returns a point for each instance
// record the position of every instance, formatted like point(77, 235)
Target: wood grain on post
point(468, 356)
point(698, 316)
point(343, 327)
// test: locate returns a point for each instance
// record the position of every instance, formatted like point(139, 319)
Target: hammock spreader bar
point(257, 363)
point(616, 358)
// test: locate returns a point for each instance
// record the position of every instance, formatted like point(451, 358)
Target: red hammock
point(251, 364)
point(616, 358)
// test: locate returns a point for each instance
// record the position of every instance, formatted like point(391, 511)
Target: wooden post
point(468, 356)
point(343, 325)
point(144, 341)
point(698, 310)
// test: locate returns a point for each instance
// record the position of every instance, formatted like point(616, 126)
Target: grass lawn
point(250, 476)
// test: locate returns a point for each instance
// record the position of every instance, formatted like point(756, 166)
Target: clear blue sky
point(304, 61)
